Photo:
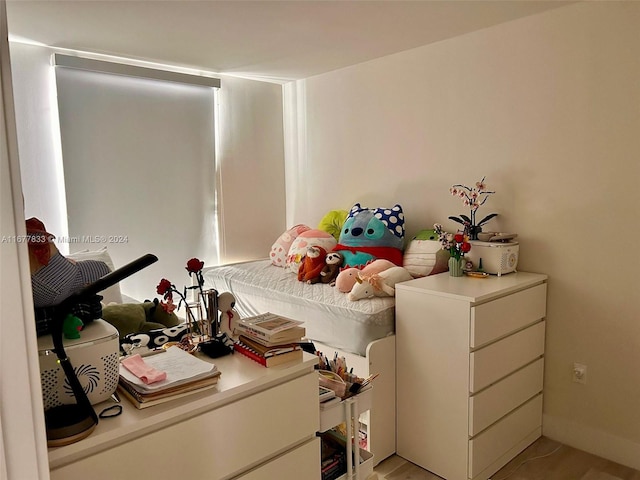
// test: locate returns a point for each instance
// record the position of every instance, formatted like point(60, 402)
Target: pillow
point(332, 222)
point(111, 294)
point(280, 249)
point(424, 255)
point(298, 250)
point(372, 233)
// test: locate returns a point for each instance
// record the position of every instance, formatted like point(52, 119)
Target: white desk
point(257, 424)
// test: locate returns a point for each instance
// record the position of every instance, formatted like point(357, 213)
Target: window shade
point(139, 171)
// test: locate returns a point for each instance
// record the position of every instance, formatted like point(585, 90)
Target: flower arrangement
point(474, 198)
point(167, 290)
point(455, 243)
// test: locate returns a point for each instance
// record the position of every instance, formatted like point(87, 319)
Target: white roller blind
point(139, 170)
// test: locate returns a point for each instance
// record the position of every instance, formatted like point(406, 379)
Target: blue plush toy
point(372, 233)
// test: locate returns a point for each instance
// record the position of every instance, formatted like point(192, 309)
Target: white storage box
point(498, 258)
point(95, 358)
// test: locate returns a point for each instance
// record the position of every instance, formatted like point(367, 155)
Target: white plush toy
point(229, 317)
point(380, 284)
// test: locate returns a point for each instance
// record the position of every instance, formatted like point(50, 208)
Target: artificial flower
point(474, 198)
point(456, 244)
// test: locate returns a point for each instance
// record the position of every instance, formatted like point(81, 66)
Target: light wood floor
point(545, 459)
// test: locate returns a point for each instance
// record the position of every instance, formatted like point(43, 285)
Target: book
point(142, 400)
point(295, 338)
point(271, 328)
point(181, 368)
point(186, 374)
point(269, 351)
point(243, 349)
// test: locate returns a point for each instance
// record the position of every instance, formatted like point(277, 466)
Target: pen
point(152, 352)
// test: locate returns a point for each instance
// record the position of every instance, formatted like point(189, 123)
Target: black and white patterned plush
point(153, 339)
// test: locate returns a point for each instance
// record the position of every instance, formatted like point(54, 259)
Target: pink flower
point(168, 306)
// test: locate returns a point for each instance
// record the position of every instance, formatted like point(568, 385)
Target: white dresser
point(469, 371)
point(257, 424)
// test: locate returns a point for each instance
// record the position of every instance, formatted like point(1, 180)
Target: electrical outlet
point(579, 373)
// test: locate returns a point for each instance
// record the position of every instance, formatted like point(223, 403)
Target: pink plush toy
point(347, 278)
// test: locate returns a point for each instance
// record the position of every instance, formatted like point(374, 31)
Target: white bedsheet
point(328, 315)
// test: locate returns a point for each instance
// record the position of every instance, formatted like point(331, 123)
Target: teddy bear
point(333, 263)
point(312, 264)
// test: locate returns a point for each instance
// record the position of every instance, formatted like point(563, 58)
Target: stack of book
point(186, 375)
point(270, 339)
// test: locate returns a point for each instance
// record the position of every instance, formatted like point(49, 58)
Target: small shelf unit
point(348, 411)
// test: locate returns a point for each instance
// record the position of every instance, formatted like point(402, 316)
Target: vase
point(456, 266)
point(474, 230)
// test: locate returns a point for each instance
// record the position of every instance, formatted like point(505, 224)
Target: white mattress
point(328, 315)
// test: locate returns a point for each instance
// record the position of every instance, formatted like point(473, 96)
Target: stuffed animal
point(309, 238)
point(333, 262)
point(229, 317)
point(347, 278)
point(140, 342)
point(312, 264)
point(424, 255)
point(371, 233)
point(130, 318)
point(379, 284)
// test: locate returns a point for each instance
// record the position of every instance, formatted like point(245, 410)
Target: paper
point(179, 365)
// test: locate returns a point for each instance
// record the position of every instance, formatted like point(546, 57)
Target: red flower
point(194, 265)
point(164, 287)
point(466, 246)
point(458, 237)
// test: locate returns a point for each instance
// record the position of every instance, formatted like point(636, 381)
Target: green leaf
point(466, 219)
point(456, 219)
point(487, 218)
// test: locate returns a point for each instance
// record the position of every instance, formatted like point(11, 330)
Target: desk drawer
point(494, 442)
point(499, 359)
point(496, 401)
point(495, 319)
point(217, 444)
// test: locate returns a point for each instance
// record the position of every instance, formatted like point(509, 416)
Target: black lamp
point(69, 423)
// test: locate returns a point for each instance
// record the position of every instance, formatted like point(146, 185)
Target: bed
point(361, 331)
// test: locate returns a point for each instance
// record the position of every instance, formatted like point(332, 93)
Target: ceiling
point(272, 40)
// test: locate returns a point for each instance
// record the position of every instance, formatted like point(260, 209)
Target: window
point(138, 154)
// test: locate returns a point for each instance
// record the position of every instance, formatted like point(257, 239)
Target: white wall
point(547, 108)
point(23, 451)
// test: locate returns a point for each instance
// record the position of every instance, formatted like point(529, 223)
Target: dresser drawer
point(499, 359)
point(216, 444)
point(491, 404)
point(494, 442)
point(303, 462)
point(498, 318)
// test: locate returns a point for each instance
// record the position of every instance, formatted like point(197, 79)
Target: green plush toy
point(332, 222)
point(138, 317)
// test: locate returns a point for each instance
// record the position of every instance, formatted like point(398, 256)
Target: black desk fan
point(70, 423)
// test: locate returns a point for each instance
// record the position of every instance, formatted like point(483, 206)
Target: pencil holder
point(333, 382)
